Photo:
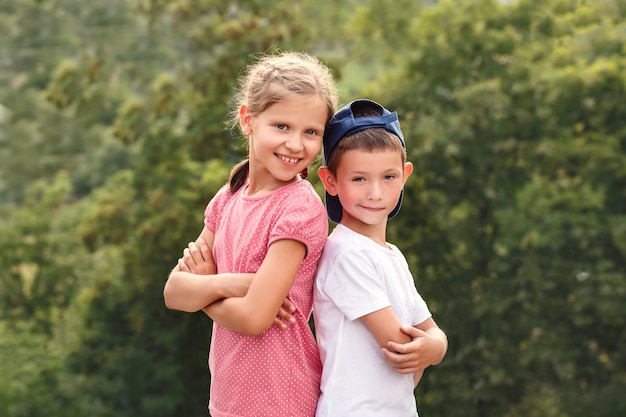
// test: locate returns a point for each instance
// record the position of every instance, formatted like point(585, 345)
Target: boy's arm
point(385, 327)
point(428, 346)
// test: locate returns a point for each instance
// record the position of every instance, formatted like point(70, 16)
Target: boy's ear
point(244, 120)
point(408, 169)
point(328, 180)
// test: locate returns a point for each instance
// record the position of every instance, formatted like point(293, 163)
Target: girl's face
point(368, 185)
point(284, 139)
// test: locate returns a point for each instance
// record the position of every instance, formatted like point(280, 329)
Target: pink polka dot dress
point(278, 372)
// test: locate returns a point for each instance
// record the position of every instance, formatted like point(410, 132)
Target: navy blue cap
point(343, 124)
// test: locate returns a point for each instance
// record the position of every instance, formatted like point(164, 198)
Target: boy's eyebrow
point(386, 171)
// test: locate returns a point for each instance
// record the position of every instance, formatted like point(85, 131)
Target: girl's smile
point(285, 138)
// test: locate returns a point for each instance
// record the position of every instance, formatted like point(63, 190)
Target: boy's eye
point(389, 177)
point(358, 179)
point(281, 126)
point(311, 132)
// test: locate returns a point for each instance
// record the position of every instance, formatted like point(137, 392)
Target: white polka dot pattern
point(278, 372)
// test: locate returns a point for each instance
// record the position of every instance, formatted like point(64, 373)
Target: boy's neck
point(376, 232)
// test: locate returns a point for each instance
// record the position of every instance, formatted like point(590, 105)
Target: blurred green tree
point(112, 141)
point(514, 115)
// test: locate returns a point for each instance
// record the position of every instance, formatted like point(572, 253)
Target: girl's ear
point(244, 120)
point(328, 180)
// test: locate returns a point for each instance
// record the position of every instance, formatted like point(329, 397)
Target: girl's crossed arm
point(255, 311)
point(193, 283)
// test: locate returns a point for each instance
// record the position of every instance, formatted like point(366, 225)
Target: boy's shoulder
point(343, 239)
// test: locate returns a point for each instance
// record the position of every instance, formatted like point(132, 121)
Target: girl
point(265, 231)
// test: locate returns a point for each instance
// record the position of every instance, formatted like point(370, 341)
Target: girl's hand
point(197, 259)
point(285, 315)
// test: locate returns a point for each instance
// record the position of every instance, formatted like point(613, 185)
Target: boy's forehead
point(364, 160)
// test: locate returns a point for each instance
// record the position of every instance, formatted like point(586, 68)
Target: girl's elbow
point(173, 301)
point(170, 302)
point(168, 296)
point(256, 326)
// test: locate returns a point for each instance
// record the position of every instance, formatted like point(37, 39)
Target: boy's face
point(368, 185)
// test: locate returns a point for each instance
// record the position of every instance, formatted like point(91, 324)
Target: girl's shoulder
point(299, 193)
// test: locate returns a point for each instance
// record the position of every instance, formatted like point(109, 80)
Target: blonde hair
point(272, 78)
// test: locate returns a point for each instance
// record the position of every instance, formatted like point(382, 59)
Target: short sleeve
point(301, 218)
point(214, 208)
point(354, 285)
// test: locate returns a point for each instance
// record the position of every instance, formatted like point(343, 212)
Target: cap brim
point(333, 208)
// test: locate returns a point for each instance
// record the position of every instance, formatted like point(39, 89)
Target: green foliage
point(520, 185)
point(112, 141)
point(33, 377)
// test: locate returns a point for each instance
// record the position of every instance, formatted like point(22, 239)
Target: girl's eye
point(358, 179)
point(311, 132)
point(281, 127)
point(389, 177)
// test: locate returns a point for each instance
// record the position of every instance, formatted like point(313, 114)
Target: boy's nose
point(375, 191)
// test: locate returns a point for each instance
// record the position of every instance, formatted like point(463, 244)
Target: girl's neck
point(260, 188)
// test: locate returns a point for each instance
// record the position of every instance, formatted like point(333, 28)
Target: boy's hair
point(269, 81)
point(363, 125)
point(369, 140)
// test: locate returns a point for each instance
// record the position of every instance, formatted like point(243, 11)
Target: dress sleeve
point(214, 208)
point(302, 218)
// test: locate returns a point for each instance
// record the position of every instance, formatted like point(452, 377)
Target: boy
point(364, 291)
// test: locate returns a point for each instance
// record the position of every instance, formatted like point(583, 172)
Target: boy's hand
point(422, 351)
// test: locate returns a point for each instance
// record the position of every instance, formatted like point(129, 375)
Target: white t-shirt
point(355, 277)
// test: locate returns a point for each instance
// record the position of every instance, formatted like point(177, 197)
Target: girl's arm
point(192, 284)
point(255, 311)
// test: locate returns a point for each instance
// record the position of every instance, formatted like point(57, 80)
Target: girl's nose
point(294, 143)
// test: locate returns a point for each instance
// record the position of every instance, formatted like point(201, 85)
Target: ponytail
point(239, 175)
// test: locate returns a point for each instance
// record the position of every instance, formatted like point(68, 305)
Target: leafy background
point(112, 140)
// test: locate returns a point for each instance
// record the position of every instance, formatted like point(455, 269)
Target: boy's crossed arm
point(428, 346)
point(408, 349)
